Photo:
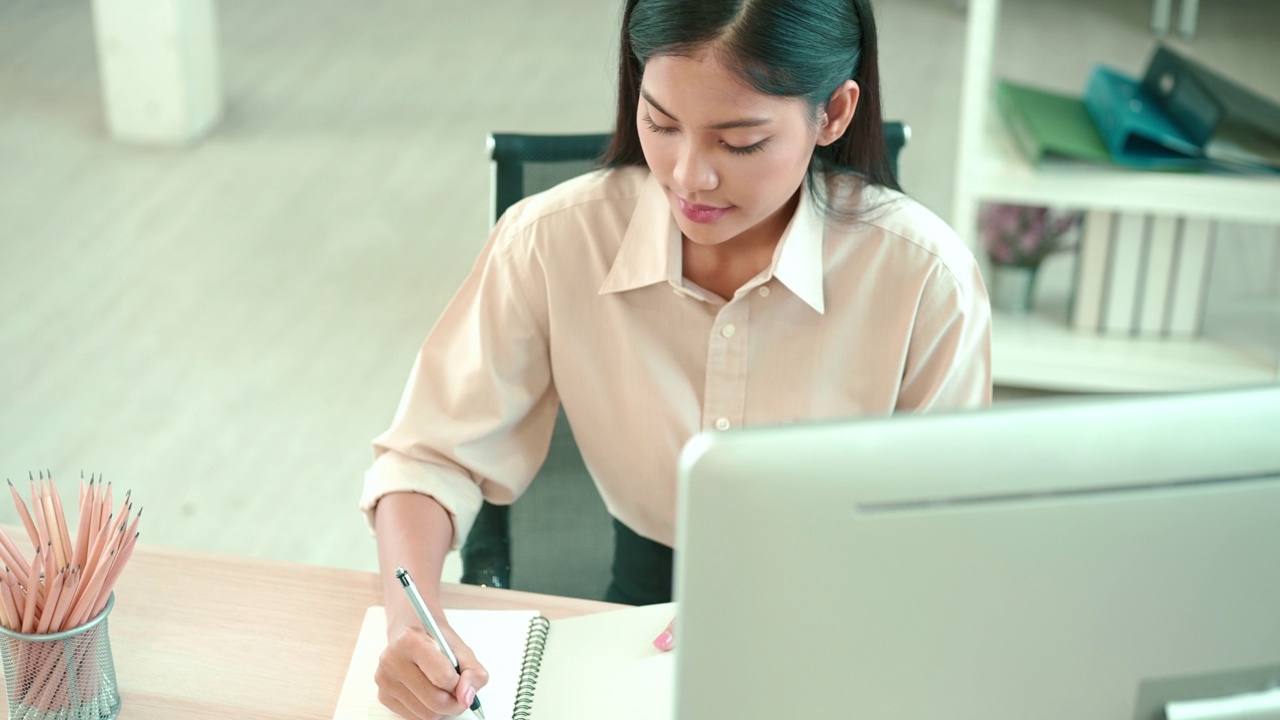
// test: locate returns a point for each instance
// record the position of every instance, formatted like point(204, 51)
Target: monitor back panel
point(1069, 560)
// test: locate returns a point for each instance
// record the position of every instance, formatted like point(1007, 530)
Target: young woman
point(745, 258)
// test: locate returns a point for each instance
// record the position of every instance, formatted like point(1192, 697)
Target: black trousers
point(642, 569)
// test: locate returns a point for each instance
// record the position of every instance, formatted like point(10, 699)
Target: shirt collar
point(642, 260)
point(798, 263)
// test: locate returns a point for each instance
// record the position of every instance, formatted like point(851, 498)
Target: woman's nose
point(693, 173)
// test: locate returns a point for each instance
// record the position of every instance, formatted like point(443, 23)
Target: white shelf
point(1039, 350)
point(1001, 173)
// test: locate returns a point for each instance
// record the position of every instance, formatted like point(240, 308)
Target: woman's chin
point(706, 234)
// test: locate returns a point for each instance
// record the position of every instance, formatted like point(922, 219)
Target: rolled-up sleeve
point(476, 416)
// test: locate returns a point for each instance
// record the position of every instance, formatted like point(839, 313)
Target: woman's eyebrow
point(728, 125)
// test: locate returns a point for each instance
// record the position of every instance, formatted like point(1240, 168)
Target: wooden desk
point(204, 636)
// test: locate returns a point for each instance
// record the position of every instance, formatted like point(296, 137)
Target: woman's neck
point(725, 267)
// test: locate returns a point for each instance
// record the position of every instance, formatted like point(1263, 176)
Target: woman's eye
point(746, 149)
point(735, 149)
point(656, 127)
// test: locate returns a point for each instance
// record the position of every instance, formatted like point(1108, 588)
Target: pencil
point(94, 519)
point(114, 574)
point(61, 517)
point(13, 557)
point(82, 533)
point(105, 507)
point(55, 534)
point(42, 583)
point(59, 622)
point(29, 607)
point(12, 598)
point(22, 513)
point(96, 549)
point(50, 603)
point(133, 529)
point(88, 595)
point(5, 615)
point(37, 511)
point(125, 506)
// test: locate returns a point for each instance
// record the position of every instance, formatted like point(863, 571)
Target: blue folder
point(1135, 128)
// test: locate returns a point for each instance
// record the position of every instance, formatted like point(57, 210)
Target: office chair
point(558, 537)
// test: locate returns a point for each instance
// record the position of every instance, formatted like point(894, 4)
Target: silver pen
point(420, 607)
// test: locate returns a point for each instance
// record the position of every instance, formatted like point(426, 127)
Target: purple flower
point(1023, 235)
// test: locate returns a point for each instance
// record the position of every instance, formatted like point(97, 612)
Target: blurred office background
point(223, 326)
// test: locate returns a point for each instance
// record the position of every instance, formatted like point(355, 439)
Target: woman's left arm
point(949, 357)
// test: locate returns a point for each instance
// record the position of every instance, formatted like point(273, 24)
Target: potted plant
point(1018, 238)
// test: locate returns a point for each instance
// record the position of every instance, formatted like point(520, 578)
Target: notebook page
point(497, 638)
point(604, 665)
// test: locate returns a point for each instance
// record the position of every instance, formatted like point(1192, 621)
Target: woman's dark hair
point(792, 48)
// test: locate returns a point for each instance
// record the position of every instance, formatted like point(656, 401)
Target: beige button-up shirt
point(578, 299)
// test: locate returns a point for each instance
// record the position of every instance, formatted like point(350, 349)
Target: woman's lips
point(701, 213)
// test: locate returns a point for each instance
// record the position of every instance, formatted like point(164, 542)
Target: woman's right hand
point(416, 680)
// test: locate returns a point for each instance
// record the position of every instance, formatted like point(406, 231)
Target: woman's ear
point(837, 115)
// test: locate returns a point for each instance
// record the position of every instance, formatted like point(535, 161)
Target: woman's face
point(730, 158)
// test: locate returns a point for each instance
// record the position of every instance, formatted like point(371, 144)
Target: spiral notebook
point(592, 666)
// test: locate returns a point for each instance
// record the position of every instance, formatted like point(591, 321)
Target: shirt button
point(722, 424)
point(728, 331)
point(764, 292)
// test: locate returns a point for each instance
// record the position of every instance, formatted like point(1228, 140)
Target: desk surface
point(196, 635)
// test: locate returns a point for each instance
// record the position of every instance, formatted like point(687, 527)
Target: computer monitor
point(1084, 559)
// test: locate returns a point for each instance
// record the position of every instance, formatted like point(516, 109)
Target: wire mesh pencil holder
point(61, 676)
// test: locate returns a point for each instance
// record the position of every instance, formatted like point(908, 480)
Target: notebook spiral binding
point(529, 665)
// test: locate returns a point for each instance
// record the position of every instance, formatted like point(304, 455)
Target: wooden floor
point(222, 328)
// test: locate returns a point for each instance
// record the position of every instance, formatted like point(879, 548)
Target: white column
point(975, 103)
point(158, 62)
point(1161, 14)
point(1187, 18)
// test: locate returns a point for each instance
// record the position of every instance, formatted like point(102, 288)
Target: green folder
point(1049, 126)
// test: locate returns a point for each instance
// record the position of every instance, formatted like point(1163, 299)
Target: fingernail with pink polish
point(471, 695)
point(663, 641)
